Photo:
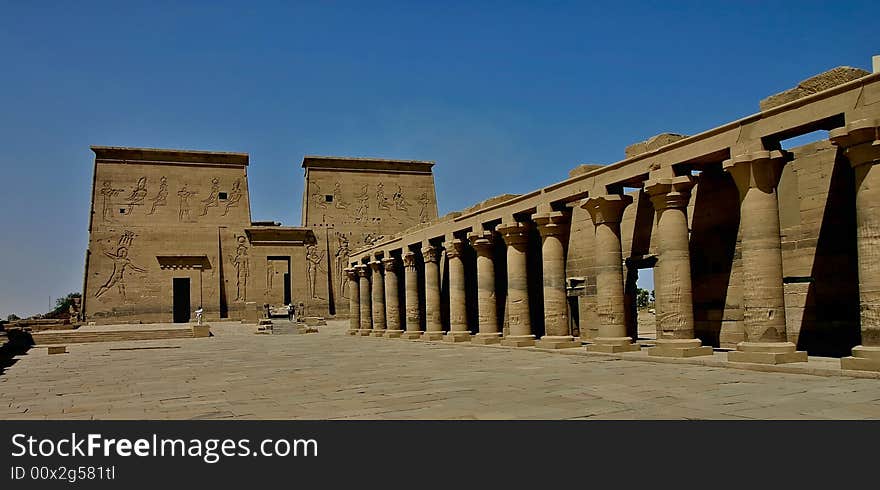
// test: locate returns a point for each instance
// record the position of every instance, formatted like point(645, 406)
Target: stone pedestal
point(392, 301)
point(458, 327)
point(553, 227)
point(433, 326)
point(377, 285)
point(366, 315)
point(487, 308)
point(679, 348)
point(860, 141)
point(672, 274)
point(354, 312)
point(516, 236)
point(756, 175)
point(201, 331)
point(606, 212)
point(412, 311)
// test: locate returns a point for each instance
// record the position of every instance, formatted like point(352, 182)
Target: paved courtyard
point(239, 374)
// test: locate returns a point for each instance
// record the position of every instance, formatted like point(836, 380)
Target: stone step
point(79, 337)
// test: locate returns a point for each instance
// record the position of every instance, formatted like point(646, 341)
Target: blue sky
point(504, 96)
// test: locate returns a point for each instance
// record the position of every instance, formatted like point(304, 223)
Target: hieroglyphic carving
point(381, 198)
point(121, 262)
point(108, 193)
point(183, 196)
point(363, 203)
point(423, 211)
point(211, 200)
point(314, 260)
point(234, 196)
point(338, 199)
point(400, 202)
point(241, 263)
point(137, 196)
point(343, 252)
point(318, 197)
point(161, 196)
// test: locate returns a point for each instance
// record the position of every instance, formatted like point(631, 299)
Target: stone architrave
point(554, 227)
point(756, 175)
point(458, 326)
point(412, 310)
point(487, 307)
point(433, 325)
point(606, 212)
point(672, 274)
point(366, 325)
point(516, 236)
point(378, 292)
point(354, 306)
point(860, 142)
point(392, 301)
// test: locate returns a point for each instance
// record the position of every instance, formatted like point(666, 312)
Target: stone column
point(378, 291)
point(516, 236)
point(756, 175)
point(392, 300)
point(487, 308)
point(413, 312)
point(554, 227)
point(433, 326)
point(364, 294)
point(354, 312)
point(672, 274)
point(458, 326)
point(860, 141)
point(606, 212)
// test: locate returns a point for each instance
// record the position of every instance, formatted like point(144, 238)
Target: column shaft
point(433, 325)
point(606, 212)
point(354, 312)
point(487, 307)
point(458, 327)
point(756, 175)
point(516, 236)
point(413, 311)
point(366, 316)
point(553, 227)
point(392, 300)
point(377, 283)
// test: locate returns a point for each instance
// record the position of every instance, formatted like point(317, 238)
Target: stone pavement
point(239, 374)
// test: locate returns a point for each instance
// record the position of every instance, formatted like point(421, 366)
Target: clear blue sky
point(504, 96)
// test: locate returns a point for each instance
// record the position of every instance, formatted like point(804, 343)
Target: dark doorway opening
point(287, 288)
point(181, 299)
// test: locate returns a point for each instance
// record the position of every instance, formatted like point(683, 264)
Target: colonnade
point(375, 310)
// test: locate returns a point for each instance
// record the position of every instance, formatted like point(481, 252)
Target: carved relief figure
point(400, 202)
point(120, 263)
point(234, 196)
point(161, 196)
point(363, 203)
point(343, 252)
point(270, 274)
point(338, 201)
point(108, 193)
point(314, 263)
point(241, 263)
point(211, 200)
point(318, 198)
point(423, 211)
point(381, 198)
point(137, 196)
point(183, 196)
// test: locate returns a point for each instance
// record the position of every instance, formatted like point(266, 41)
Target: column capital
point(608, 208)
point(860, 141)
point(756, 170)
point(390, 263)
point(551, 223)
point(670, 192)
point(376, 265)
point(455, 248)
point(514, 233)
point(362, 270)
point(350, 273)
point(482, 241)
point(409, 260)
point(431, 254)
